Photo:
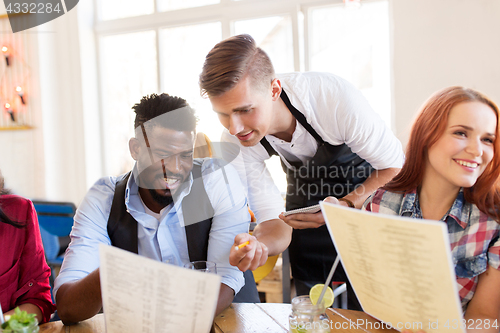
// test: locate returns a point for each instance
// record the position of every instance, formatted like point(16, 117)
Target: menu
point(400, 268)
point(141, 295)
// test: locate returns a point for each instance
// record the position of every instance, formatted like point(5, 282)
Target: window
point(128, 72)
point(356, 48)
point(116, 9)
point(145, 49)
point(183, 50)
point(165, 5)
point(274, 35)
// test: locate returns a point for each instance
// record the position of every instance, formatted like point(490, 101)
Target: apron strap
point(300, 118)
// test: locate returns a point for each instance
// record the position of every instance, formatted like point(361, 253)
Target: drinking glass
point(307, 317)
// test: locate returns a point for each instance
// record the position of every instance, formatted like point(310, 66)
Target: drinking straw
point(328, 279)
point(1, 315)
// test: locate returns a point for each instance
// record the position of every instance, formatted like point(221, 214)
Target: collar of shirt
point(459, 212)
point(302, 147)
point(136, 208)
point(153, 214)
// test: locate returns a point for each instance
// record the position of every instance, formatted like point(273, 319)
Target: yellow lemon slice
point(316, 291)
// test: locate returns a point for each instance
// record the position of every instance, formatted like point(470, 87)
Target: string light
point(9, 111)
point(20, 92)
point(6, 54)
point(16, 79)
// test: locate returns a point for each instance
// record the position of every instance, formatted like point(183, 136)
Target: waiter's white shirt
point(339, 113)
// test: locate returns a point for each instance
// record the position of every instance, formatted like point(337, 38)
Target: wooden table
point(273, 317)
point(92, 325)
point(247, 318)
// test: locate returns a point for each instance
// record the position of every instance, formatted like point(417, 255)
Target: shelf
point(16, 128)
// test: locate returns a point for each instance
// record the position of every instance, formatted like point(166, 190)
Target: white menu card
point(141, 295)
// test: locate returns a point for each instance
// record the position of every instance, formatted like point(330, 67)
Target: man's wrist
point(348, 202)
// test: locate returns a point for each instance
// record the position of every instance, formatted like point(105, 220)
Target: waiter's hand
point(250, 256)
point(304, 220)
point(309, 220)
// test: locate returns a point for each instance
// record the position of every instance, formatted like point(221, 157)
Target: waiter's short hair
point(232, 60)
point(151, 107)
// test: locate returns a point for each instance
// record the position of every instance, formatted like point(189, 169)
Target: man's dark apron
point(333, 171)
point(122, 227)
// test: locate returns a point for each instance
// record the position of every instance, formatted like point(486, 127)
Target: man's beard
point(163, 200)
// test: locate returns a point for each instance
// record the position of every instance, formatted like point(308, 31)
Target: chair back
point(55, 217)
point(55, 220)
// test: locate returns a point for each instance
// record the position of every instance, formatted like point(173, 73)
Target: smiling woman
point(464, 150)
point(451, 174)
point(428, 129)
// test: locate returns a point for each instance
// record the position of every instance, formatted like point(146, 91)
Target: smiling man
point(330, 141)
point(170, 207)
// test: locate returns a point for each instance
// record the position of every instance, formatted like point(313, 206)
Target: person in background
point(451, 174)
point(24, 274)
point(170, 207)
point(330, 142)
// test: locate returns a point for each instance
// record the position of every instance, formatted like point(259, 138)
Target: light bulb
point(5, 51)
point(9, 111)
point(20, 93)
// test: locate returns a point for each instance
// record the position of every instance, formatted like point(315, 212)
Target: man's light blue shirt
point(161, 236)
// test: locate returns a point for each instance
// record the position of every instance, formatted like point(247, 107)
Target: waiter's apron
point(333, 171)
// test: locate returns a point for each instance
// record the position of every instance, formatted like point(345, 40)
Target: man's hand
point(251, 256)
point(308, 220)
point(79, 300)
point(226, 296)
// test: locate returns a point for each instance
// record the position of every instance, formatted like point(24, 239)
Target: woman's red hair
point(428, 128)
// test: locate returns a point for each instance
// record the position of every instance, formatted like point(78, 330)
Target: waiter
point(331, 145)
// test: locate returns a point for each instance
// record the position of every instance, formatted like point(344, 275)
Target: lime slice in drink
point(316, 291)
point(299, 330)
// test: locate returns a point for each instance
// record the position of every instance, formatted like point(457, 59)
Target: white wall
point(22, 151)
point(442, 43)
point(21, 162)
point(61, 91)
point(50, 161)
